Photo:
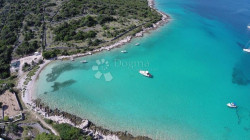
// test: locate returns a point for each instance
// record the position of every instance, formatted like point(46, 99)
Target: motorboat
point(123, 51)
point(84, 61)
point(145, 73)
point(231, 105)
point(137, 44)
point(246, 50)
point(248, 26)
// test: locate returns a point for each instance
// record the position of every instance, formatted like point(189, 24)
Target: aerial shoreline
point(29, 88)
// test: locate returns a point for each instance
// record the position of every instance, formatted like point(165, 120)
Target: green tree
point(27, 48)
point(89, 21)
point(49, 54)
point(45, 136)
point(89, 138)
point(26, 66)
point(12, 128)
point(91, 34)
point(48, 121)
point(5, 55)
point(6, 118)
point(67, 132)
point(102, 19)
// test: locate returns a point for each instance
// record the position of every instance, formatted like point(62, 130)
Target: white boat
point(123, 51)
point(145, 73)
point(137, 44)
point(246, 50)
point(231, 105)
point(84, 61)
point(248, 26)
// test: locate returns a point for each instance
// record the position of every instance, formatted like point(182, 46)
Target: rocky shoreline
point(88, 127)
point(85, 125)
point(165, 19)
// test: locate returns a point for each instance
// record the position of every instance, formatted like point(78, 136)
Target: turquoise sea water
point(198, 67)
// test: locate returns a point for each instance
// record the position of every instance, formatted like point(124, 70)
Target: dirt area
point(28, 60)
point(10, 104)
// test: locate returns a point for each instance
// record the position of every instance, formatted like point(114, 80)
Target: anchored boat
point(231, 105)
point(246, 50)
point(145, 73)
point(84, 61)
point(123, 51)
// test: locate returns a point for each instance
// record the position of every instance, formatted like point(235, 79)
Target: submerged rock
point(239, 78)
point(58, 85)
point(58, 70)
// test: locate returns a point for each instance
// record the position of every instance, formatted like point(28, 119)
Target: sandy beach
point(28, 90)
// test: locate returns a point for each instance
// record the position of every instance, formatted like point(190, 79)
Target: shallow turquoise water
point(192, 59)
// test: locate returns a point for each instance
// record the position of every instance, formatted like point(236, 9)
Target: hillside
point(69, 26)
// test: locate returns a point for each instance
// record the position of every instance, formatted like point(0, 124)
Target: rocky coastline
point(165, 19)
point(87, 127)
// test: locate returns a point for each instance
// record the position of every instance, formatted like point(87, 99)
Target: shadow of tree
point(5, 107)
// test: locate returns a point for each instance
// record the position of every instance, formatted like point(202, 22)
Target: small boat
point(246, 50)
point(231, 105)
point(123, 51)
point(248, 26)
point(145, 73)
point(72, 59)
point(84, 61)
point(137, 44)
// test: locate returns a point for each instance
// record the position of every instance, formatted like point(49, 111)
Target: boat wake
point(247, 46)
point(237, 113)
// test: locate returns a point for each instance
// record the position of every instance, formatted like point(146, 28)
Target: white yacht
point(231, 105)
point(137, 44)
point(246, 50)
point(84, 61)
point(248, 26)
point(145, 73)
point(123, 51)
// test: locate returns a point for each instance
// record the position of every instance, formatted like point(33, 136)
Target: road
point(45, 124)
